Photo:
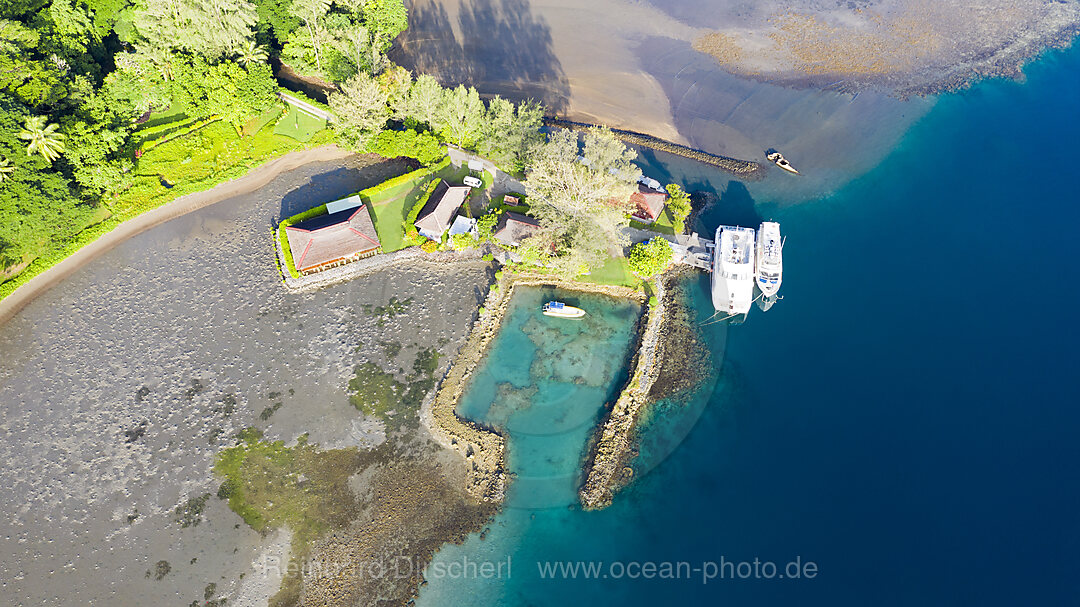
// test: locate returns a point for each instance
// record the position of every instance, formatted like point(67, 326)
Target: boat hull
point(733, 275)
point(565, 312)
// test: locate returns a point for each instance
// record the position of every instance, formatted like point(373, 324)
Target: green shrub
point(649, 259)
point(424, 147)
point(488, 257)
point(194, 126)
point(421, 201)
point(485, 224)
point(462, 242)
point(653, 301)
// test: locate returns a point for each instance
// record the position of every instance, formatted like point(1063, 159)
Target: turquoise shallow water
point(905, 418)
point(545, 381)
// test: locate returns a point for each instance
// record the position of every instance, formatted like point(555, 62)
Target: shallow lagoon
point(545, 382)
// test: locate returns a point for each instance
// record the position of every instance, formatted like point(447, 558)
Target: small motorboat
point(561, 310)
point(778, 159)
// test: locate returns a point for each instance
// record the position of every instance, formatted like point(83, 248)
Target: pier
point(692, 250)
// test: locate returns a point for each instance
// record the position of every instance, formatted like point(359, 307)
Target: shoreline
point(482, 447)
point(605, 468)
point(746, 169)
point(250, 182)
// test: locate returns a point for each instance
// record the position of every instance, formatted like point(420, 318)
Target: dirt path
point(253, 180)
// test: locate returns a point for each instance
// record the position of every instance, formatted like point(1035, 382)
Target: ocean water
point(905, 418)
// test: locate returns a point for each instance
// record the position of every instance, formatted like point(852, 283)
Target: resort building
point(327, 241)
point(514, 228)
point(434, 219)
point(648, 203)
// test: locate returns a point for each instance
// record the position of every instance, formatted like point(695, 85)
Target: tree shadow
point(330, 186)
point(504, 49)
point(735, 206)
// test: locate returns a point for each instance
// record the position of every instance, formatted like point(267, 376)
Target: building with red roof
point(331, 240)
point(648, 203)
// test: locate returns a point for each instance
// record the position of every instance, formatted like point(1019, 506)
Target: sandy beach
point(637, 66)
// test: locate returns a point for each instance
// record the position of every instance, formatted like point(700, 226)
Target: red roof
point(648, 203)
point(331, 237)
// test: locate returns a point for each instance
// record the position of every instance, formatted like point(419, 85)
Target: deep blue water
point(906, 418)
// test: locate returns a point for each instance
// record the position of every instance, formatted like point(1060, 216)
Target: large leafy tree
point(678, 205)
point(422, 102)
point(360, 108)
point(42, 137)
point(212, 28)
point(460, 116)
point(25, 70)
point(581, 204)
point(37, 205)
point(651, 258)
point(510, 132)
point(310, 13)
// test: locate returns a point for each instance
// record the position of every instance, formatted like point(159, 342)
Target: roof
point(462, 225)
point(648, 202)
point(514, 227)
point(345, 203)
point(439, 210)
point(330, 237)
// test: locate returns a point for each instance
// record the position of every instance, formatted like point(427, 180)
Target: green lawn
point(615, 271)
point(390, 214)
point(391, 205)
point(299, 125)
point(663, 224)
point(522, 207)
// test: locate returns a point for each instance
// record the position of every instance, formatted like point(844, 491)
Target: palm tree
point(252, 53)
point(43, 138)
point(6, 168)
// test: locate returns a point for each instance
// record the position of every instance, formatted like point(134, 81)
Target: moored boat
point(560, 310)
point(733, 270)
point(770, 258)
point(778, 159)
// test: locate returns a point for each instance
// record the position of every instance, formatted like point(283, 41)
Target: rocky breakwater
point(607, 467)
point(745, 169)
point(483, 448)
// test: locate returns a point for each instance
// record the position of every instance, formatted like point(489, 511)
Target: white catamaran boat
point(561, 310)
point(778, 159)
point(770, 258)
point(733, 270)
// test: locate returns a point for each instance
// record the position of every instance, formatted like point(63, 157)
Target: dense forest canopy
point(84, 85)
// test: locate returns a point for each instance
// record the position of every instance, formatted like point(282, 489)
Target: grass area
point(301, 126)
point(157, 119)
point(257, 123)
point(663, 224)
point(522, 207)
point(192, 163)
point(615, 271)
